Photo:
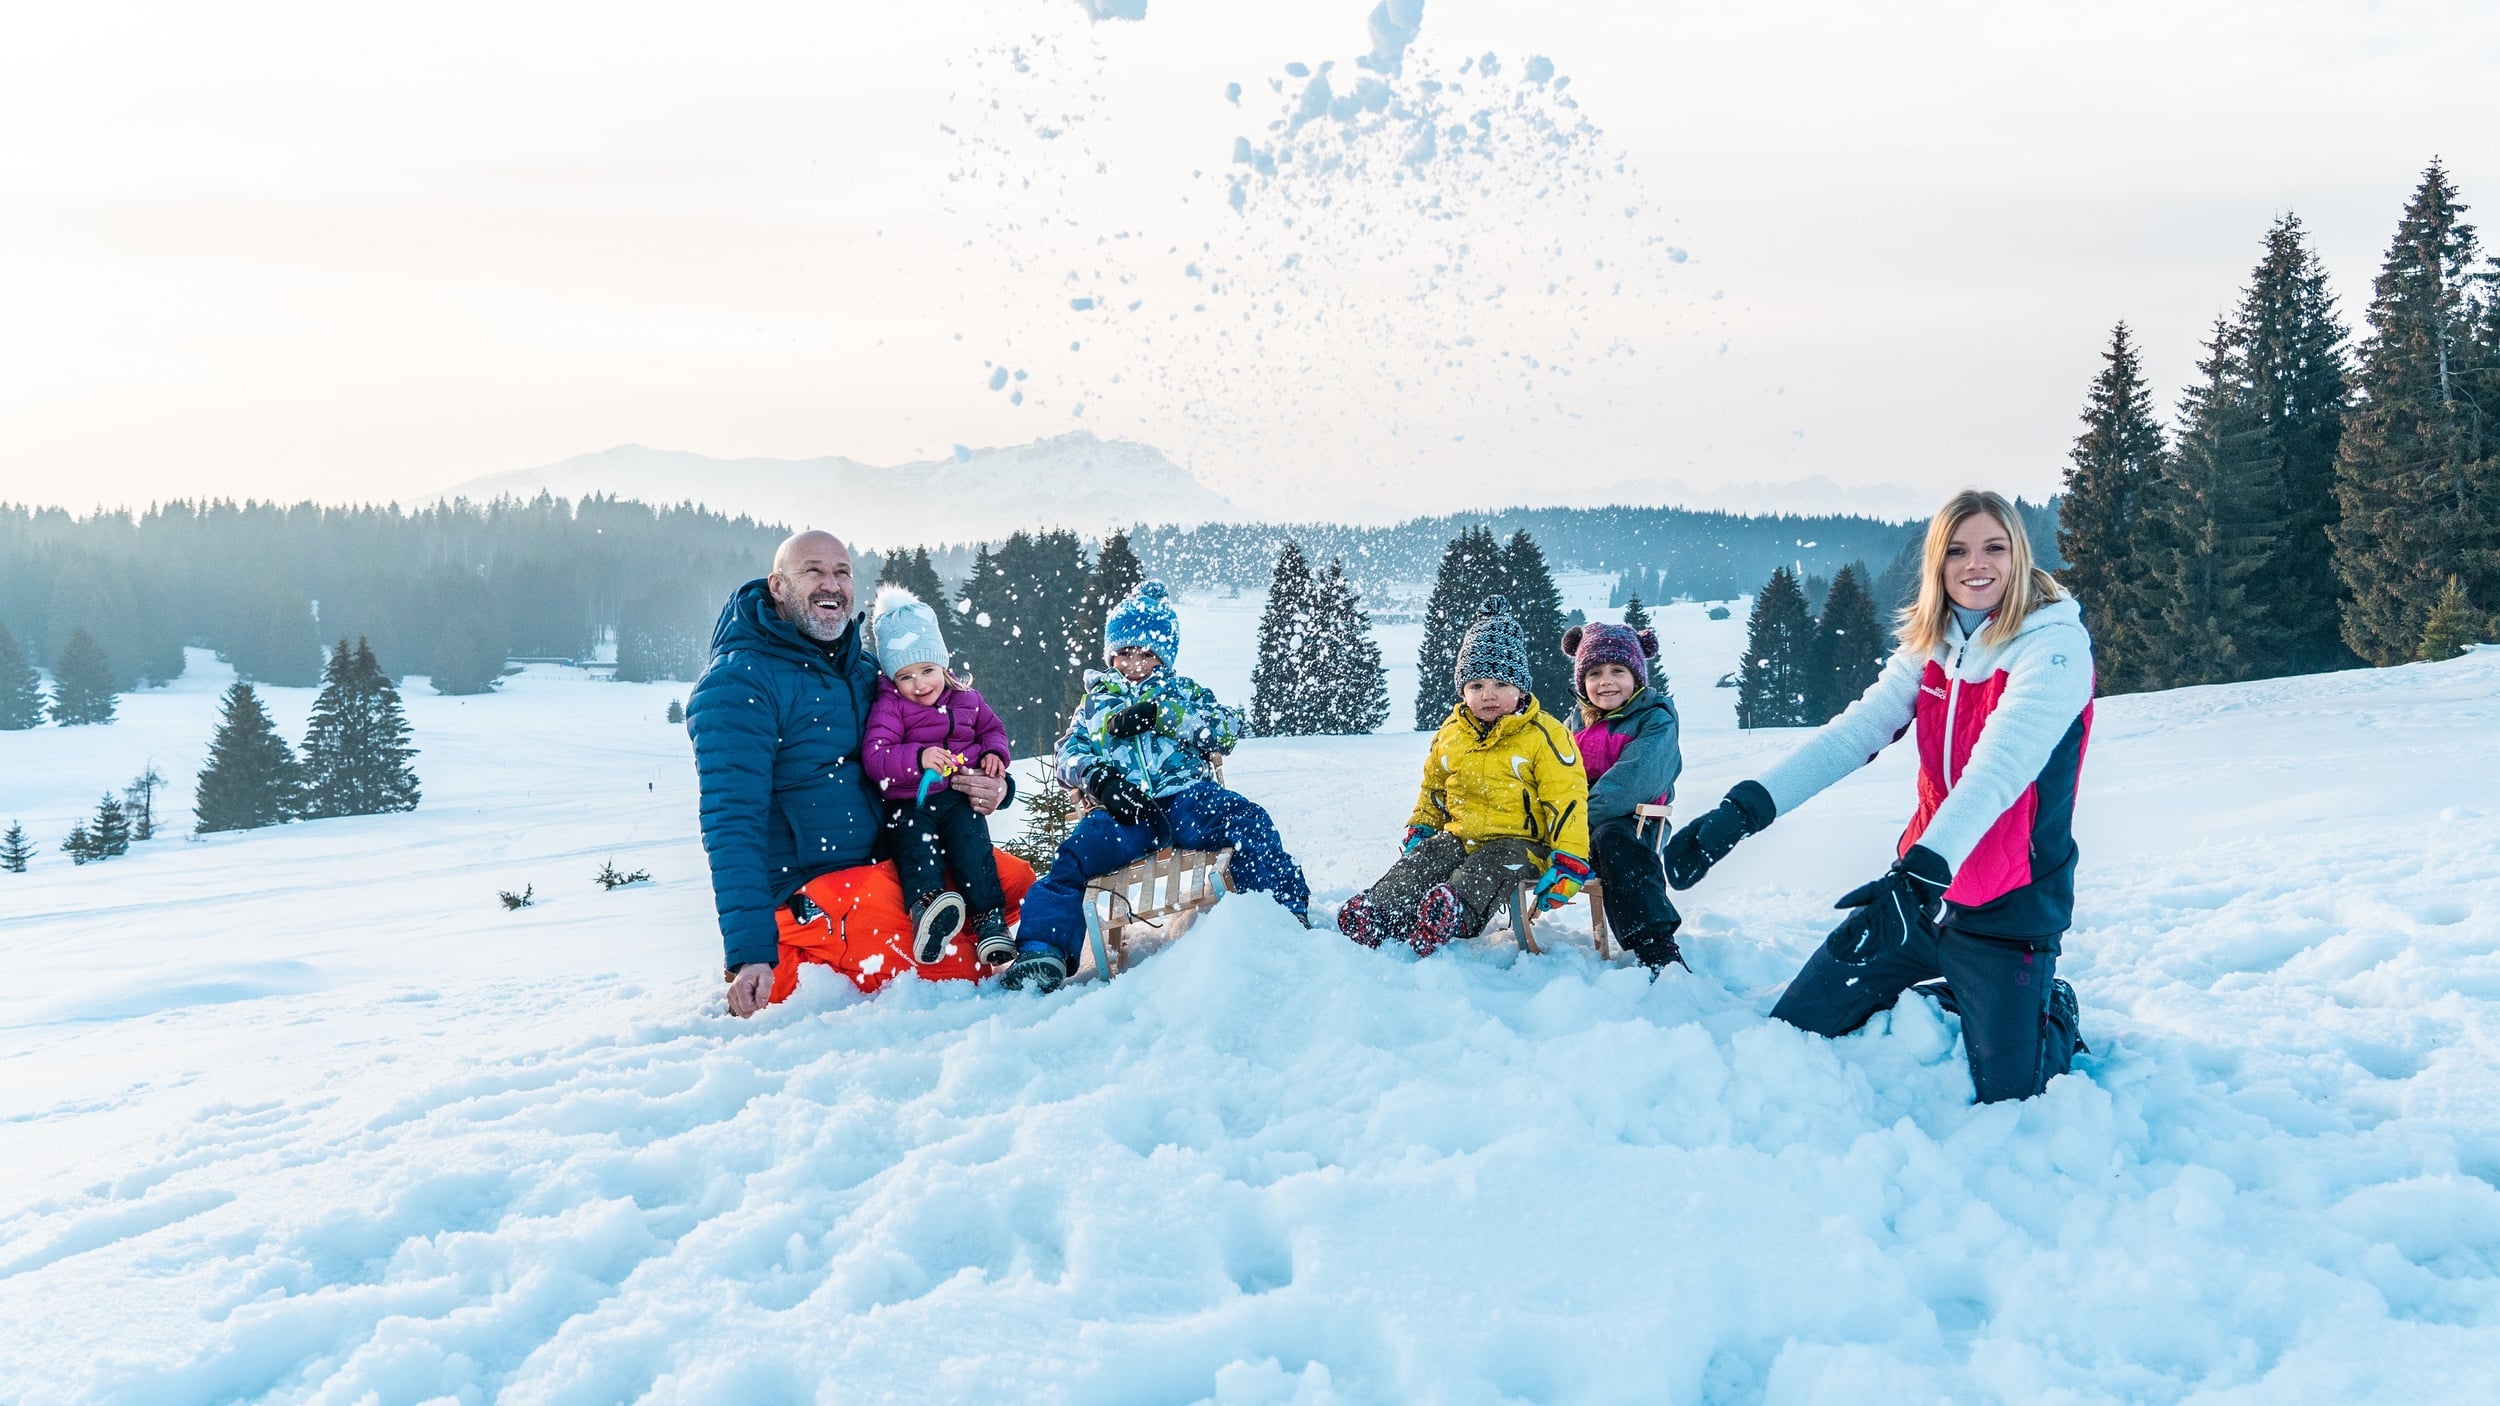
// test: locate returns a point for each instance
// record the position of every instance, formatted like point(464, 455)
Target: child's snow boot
point(1357, 919)
point(1037, 969)
point(1657, 951)
point(989, 930)
point(1438, 920)
point(934, 922)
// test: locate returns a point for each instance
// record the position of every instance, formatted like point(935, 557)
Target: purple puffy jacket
point(960, 721)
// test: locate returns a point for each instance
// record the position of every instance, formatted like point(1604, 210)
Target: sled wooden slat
point(1523, 896)
point(1163, 893)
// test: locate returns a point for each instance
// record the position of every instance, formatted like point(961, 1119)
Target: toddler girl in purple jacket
point(924, 727)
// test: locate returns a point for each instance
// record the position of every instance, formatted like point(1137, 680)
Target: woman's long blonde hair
point(2027, 589)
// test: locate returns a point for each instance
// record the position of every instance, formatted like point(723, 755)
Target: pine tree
point(1848, 649)
point(79, 845)
point(1635, 615)
point(663, 632)
point(1771, 682)
point(1116, 573)
point(1471, 569)
point(1019, 629)
point(1537, 605)
point(2454, 625)
point(1281, 684)
point(110, 832)
point(15, 850)
point(2299, 384)
point(356, 747)
point(82, 682)
point(2417, 477)
point(2105, 529)
point(676, 712)
point(1049, 814)
point(2215, 536)
point(914, 572)
point(251, 778)
point(139, 797)
point(1350, 695)
point(290, 646)
point(21, 691)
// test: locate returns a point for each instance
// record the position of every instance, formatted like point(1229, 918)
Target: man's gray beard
point(798, 614)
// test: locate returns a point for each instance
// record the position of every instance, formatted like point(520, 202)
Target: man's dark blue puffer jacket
point(777, 723)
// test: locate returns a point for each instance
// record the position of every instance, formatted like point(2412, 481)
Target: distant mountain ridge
point(1079, 481)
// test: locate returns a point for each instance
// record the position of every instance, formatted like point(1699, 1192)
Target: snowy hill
point(304, 1115)
point(1076, 481)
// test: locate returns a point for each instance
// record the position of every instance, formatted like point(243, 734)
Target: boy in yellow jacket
point(1504, 800)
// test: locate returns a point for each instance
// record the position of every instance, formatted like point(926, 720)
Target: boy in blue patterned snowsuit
point(1140, 746)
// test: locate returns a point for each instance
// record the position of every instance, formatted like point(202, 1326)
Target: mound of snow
point(303, 1115)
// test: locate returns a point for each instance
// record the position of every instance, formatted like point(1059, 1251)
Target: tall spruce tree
point(1471, 569)
point(2216, 532)
point(1771, 683)
point(109, 832)
point(1635, 614)
point(2417, 478)
point(356, 752)
point(82, 682)
point(1537, 605)
point(916, 573)
point(1019, 630)
point(467, 659)
point(21, 691)
point(1848, 650)
point(2105, 530)
point(252, 778)
point(1282, 682)
point(1350, 690)
point(15, 849)
point(1116, 573)
point(2299, 384)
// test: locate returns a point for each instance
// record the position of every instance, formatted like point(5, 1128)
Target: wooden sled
point(1523, 900)
point(1163, 893)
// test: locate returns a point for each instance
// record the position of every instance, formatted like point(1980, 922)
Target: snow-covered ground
point(305, 1115)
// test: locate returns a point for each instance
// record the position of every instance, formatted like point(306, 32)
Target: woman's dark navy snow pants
point(2014, 1037)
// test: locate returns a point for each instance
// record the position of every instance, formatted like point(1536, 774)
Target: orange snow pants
point(865, 931)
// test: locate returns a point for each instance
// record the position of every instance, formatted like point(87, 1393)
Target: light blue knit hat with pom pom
point(906, 630)
point(1143, 620)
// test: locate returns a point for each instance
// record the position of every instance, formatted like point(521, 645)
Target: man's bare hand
point(985, 791)
point(751, 989)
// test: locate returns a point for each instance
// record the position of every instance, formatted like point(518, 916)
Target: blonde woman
point(1995, 673)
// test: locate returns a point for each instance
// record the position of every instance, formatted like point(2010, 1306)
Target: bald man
point(790, 818)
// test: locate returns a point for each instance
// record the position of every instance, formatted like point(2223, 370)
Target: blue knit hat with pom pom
point(1143, 620)
point(906, 630)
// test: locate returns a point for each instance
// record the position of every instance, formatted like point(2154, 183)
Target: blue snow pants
point(1206, 816)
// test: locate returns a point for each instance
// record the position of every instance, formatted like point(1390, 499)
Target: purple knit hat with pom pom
point(1592, 645)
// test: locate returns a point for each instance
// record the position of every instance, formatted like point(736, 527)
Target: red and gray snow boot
point(1439, 921)
point(1357, 919)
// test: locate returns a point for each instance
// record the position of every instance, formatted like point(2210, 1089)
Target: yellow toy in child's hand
point(941, 761)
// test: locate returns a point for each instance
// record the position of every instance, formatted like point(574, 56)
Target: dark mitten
point(1125, 800)
point(1746, 811)
point(1904, 901)
point(1135, 720)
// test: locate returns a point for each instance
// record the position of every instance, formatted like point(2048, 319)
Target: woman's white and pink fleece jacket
point(2001, 736)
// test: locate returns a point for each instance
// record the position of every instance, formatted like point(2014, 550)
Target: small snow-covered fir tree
point(2454, 625)
point(252, 778)
point(79, 845)
point(356, 748)
point(1771, 682)
point(676, 712)
point(1350, 690)
point(1848, 648)
point(110, 830)
point(1282, 685)
point(1049, 814)
point(21, 692)
point(15, 850)
point(82, 682)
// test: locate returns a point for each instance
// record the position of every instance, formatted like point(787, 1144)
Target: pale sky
point(356, 253)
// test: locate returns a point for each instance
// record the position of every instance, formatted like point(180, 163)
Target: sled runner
point(1164, 892)
point(1523, 900)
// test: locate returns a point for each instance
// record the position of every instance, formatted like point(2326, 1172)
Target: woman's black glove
point(1135, 720)
point(1125, 800)
point(1893, 907)
point(1746, 811)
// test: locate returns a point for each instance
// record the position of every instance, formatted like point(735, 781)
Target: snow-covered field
point(305, 1115)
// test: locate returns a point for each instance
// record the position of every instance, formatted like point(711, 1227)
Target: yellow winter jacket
point(1520, 777)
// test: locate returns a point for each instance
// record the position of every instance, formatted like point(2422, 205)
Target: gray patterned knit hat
point(1494, 648)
